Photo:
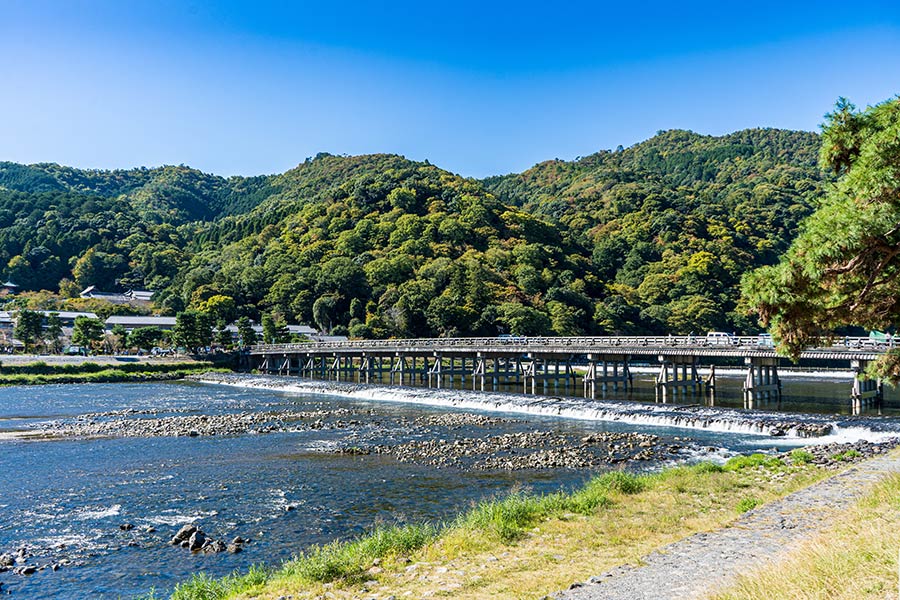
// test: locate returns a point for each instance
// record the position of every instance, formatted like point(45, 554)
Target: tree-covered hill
point(163, 194)
point(672, 223)
point(650, 238)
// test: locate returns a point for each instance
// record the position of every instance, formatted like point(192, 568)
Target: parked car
point(507, 338)
point(764, 340)
point(720, 338)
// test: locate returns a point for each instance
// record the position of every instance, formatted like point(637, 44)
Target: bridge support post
point(598, 372)
point(866, 391)
point(670, 381)
point(529, 372)
point(479, 372)
point(711, 385)
point(399, 367)
point(762, 381)
point(365, 368)
point(437, 372)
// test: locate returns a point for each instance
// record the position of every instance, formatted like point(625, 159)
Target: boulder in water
point(183, 534)
point(197, 540)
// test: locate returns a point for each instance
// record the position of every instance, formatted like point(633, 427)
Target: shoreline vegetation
point(539, 543)
point(42, 373)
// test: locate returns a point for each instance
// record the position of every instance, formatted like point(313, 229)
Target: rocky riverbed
point(143, 424)
point(538, 449)
point(839, 454)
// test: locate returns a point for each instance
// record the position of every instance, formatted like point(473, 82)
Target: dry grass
point(854, 560)
point(474, 559)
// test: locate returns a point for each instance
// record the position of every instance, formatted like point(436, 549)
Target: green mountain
point(652, 238)
point(164, 194)
point(672, 223)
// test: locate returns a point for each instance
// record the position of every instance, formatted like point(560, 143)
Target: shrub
point(847, 455)
point(707, 467)
point(754, 460)
point(746, 504)
point(801, 457)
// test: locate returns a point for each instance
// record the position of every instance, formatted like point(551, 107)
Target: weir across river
point(535, 364)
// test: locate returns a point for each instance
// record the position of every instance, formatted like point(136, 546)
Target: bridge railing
point(581, 343)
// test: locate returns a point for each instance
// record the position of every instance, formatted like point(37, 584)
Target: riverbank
point(532, 545)
point(830, 540)
point(853, 560)
point(42, 373)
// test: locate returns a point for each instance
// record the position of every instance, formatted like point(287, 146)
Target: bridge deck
point(847, 349)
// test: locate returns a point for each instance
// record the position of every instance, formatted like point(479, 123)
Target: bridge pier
point(398, 367)
point(599, 372)
point(536, 368)
point(341, 365)
point(762, 382)
point(529, 365)
point(676, 374)
point(436, 371)
point(866, 392)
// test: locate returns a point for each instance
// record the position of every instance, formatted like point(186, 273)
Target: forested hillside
point(652, 238)
point(672, 223)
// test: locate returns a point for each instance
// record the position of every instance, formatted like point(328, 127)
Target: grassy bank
point(856, 559)
point(538, 543)
point(40, 373)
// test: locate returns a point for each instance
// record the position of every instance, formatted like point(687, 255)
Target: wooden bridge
point(537, 363)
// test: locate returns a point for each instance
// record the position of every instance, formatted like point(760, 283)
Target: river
point(65, 499)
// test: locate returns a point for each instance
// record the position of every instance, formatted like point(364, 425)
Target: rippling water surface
point(65, 499)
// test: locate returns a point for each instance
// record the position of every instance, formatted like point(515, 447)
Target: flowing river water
point(64, 499)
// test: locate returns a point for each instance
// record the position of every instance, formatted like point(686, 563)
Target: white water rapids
point(788, 427)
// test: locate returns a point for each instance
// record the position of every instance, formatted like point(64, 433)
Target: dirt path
point(706, 562)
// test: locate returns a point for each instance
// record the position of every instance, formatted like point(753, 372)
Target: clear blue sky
point(476, 87)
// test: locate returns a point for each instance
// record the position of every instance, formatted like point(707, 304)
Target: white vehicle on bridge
point(720, 338)
point(764, 340)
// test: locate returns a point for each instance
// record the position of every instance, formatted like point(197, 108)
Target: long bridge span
point(597, 363)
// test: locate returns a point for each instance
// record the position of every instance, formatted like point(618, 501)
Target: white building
point(132, 322)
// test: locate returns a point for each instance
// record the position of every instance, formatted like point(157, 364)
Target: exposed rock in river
point(195, 539)
point(532, 450)
point(134, 425)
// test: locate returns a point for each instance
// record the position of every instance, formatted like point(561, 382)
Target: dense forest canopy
point(652, 238)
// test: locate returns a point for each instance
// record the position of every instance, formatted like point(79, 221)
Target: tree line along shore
point(41, 373)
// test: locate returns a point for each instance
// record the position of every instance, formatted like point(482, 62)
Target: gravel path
point(705, 562)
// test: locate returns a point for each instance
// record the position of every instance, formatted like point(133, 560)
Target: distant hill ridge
point(653, 237)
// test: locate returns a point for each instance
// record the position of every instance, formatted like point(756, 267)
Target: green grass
point(747, 504)
point(349, 560)
point(801, 456)
point(204, 587)
point(94, 373)
point(846, 455)
point(508, 518)
point(754, 460)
